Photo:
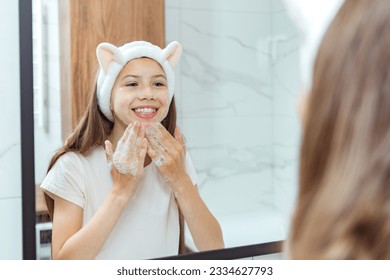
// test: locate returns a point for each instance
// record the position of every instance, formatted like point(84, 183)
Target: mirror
point(237, 88)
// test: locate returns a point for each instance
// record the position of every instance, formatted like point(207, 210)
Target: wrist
point(121, 194)
point(182, 186)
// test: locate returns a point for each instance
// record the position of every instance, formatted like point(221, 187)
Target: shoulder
point(69, 159)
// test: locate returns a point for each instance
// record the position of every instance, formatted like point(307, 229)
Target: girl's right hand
point(127, 162)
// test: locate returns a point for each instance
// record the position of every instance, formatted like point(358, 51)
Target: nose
point(146, 93)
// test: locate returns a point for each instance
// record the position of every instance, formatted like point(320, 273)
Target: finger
point(137, 163)
point(151, 151)
point(179, 138)
point(139, 142)
point(142, 151)
point(141, 132)
point(153, 139)
point(169, 142)
point(109, 150)
point(157, 158)
point(160, 138)
point(163, 133)
point(126, 133)
point(132, 136)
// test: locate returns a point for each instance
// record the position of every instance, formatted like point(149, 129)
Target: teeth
point(145, 110)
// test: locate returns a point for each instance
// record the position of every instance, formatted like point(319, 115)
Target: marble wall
point(10, 144)
point(237, 88)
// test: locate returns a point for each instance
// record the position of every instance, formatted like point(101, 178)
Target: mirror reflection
point(236, 92)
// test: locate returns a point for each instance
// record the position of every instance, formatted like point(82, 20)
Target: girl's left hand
point(167, 152)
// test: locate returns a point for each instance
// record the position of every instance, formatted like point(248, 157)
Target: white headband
point(112, 59)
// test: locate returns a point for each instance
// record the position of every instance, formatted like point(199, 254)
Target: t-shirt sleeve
point(65, 179)
point(191, 169)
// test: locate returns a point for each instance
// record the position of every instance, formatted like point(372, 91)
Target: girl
point(344, 197)
point(117, 187)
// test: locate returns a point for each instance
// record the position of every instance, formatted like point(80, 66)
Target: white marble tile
point(11, 233)
point(278, 6)
point(285, 189)
point(247, 228)
point(286, 162)
point(52, 11)
point(233, 6)
point(286, 89)
point(285, 64)
point(233, 161)
point(288, 132)
point(172, 24)
point(224, 99)
point(51, 40)
point(225, 71)
point(172, 33)
point(235, 193)
point(10, 171)
point(52, 79)
point(252, 133)
point(172, 3)
point(239, 83)
point(10, 167)
point(228, 37)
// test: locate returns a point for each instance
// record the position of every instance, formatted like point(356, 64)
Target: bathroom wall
point(238, 83)
point(10, 144)
point(47, 103)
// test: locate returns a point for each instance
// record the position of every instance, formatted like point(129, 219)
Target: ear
point(106, 54)
point(303, 104)
point(172, 53)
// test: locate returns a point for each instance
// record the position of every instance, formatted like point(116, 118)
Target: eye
point(159, 84)
point(132, 84)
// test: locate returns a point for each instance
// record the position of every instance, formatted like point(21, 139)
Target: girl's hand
point(128, 159)
point(166, 152)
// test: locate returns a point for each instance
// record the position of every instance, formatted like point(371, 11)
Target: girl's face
point(140, 93)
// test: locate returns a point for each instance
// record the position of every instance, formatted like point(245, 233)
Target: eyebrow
point(137, 77)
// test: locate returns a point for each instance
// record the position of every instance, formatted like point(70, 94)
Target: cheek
point(164, 107)
point(122, 104)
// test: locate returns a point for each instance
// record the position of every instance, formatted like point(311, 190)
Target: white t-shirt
point(149, 225)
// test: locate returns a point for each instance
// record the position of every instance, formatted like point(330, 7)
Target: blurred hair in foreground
point(343, 207)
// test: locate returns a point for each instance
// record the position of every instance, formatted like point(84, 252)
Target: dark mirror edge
point(27, 129)
point(232, 253)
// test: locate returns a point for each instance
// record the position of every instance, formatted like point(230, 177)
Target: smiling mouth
point(145, 112)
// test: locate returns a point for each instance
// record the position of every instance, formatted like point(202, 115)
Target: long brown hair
point(343, 207)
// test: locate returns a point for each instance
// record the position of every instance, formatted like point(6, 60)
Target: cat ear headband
point(112, 59)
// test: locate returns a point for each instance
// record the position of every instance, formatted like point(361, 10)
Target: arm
point(168, 153)
point(204, 228)
point(72, 240)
